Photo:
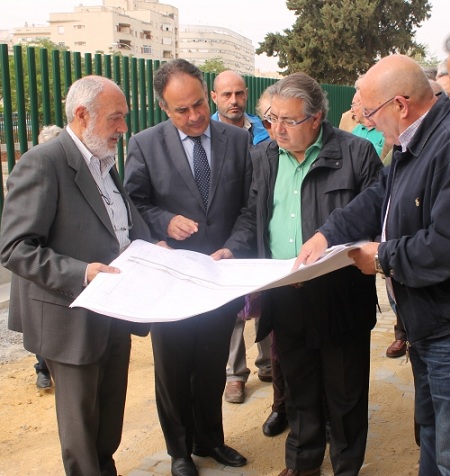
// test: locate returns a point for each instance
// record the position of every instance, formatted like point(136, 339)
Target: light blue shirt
point(188, 145)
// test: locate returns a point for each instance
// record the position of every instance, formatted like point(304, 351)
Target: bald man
point(230, 94)
point(409, 207)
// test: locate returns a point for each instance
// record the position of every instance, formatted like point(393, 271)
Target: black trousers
point(340, 372)
point(190, 359)
point(277, 380)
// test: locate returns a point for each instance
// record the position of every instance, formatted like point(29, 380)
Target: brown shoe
point(234, 391)
point(300, 472)
point(396, 349)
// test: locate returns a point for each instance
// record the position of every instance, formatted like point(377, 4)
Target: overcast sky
point(252, 19)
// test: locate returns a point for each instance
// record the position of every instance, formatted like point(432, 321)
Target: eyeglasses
point(109, 202)
point(367, 114)
point(288, 123)
point(265, 119)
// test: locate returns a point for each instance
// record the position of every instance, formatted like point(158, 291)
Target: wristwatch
point(378, 267)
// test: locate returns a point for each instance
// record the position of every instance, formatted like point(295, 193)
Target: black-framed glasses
point(286, 122)
point(105, 197)
point(368, 114)
point(129, 216)
point(109, 202)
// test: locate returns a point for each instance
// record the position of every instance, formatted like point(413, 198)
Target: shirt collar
point(247, 123)
point(184, 136)
point(406, 136)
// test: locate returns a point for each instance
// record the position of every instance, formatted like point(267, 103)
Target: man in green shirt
point(321, 328)
point(364, 129)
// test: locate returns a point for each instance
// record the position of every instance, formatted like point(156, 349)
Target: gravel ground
point(10, 342)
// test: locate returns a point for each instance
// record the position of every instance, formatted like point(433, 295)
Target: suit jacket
point(161, 184)
point(54, 224)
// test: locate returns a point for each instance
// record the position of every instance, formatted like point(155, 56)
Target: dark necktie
point(202, 171)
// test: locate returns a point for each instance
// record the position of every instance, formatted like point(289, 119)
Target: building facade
point(145, 29)
point(198, 43)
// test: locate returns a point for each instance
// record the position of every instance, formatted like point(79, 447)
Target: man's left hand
point(223, 253)
point(365, 257)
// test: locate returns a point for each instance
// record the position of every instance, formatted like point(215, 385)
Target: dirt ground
point(29, 442)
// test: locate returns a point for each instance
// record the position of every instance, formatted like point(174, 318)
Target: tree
point(214, 65)
point(336, 40)
point(38, 43)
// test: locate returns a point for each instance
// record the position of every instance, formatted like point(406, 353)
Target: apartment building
point(142, 28)
point(145, 29)
point(199, 43)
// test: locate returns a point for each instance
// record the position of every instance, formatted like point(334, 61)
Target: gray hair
point(49, 132)
point(447, 44)
point(174, 68)
point(84, 92)
point(442, 69)
point(430, 71)
point(301, 86)
point(266, 94)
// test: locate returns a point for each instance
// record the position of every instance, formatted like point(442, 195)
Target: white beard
point(98, 146)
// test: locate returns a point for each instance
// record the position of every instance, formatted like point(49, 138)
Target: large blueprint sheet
point(157, 284)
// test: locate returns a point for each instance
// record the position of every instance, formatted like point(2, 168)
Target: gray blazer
point(161, 184)
point(54, 224)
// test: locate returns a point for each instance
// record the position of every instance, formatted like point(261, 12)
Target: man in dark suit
point(66, 214)
point(160, 175)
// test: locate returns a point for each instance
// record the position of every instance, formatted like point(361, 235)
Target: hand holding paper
point(156, 284)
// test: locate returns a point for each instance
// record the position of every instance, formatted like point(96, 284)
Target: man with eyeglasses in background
point(409, 207)
point(364, 129)
point(322, 328)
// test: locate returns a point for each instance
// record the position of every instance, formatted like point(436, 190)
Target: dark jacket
point(55, 223)
point(416, 254)
point(161, 184)
point(343, 302)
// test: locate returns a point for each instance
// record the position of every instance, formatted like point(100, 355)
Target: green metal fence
point(35, 81)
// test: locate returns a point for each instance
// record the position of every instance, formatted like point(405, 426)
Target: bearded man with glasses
point(322, 328)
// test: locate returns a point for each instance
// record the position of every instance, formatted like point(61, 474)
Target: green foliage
point(26, 49)
point(336, 40)
point(215, 65)
point(44, 43)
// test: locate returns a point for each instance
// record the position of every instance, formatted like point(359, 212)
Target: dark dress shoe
point(183, 467)
point(275, 424)
point(222, 454)
point(43, 380)
point(300, 472)
point(265, 378)
point(396, 349)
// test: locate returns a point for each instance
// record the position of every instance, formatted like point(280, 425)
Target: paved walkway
point(158, 464)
